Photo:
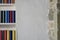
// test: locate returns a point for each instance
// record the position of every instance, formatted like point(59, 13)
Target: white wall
point(32, 19)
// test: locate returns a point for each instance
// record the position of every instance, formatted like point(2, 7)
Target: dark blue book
point(0, 1)
point(13, 16)
point(10, 34)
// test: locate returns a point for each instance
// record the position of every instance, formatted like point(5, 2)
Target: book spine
point(10, 16)
point(14, 16)
point(7, 16)
point(14, 35)
point(4, 1)
point(13, 1)
point(1, 16)
point(10, 35)
point(5, 35)
point(9, 1)
point(2, 35)
point(4, 16)
point(0, 1)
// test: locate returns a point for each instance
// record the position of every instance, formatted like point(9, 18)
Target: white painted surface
point(32, 19)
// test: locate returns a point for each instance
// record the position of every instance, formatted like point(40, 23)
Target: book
point(14, 35)
point(13, 1)
point(1, 16)
point(4, 1)
point(0, 35)
point(10, 17)
point(0, 1)
point(9, 1)
point(13, 16)
point(10, 35)
point(2, 32)
point(6, 16)
point(5, 34)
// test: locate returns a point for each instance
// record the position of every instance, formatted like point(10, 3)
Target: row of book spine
point(7, 1)
point(7, 17)
point(7, 35)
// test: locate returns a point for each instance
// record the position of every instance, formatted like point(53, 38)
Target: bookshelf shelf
point(7, 23)
point(6, 4)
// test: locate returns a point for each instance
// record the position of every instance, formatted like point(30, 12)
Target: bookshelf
point(8, 20)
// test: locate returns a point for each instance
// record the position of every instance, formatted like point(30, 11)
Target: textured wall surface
point(32, 19)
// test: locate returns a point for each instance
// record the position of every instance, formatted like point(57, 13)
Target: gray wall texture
point(32, 19)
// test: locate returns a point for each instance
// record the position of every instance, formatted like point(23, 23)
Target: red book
point(6, 1)
point(5, 35)
point(0, 35)
point(10, 16)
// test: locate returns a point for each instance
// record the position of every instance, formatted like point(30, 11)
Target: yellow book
point(14, 34)
point(7, 34)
